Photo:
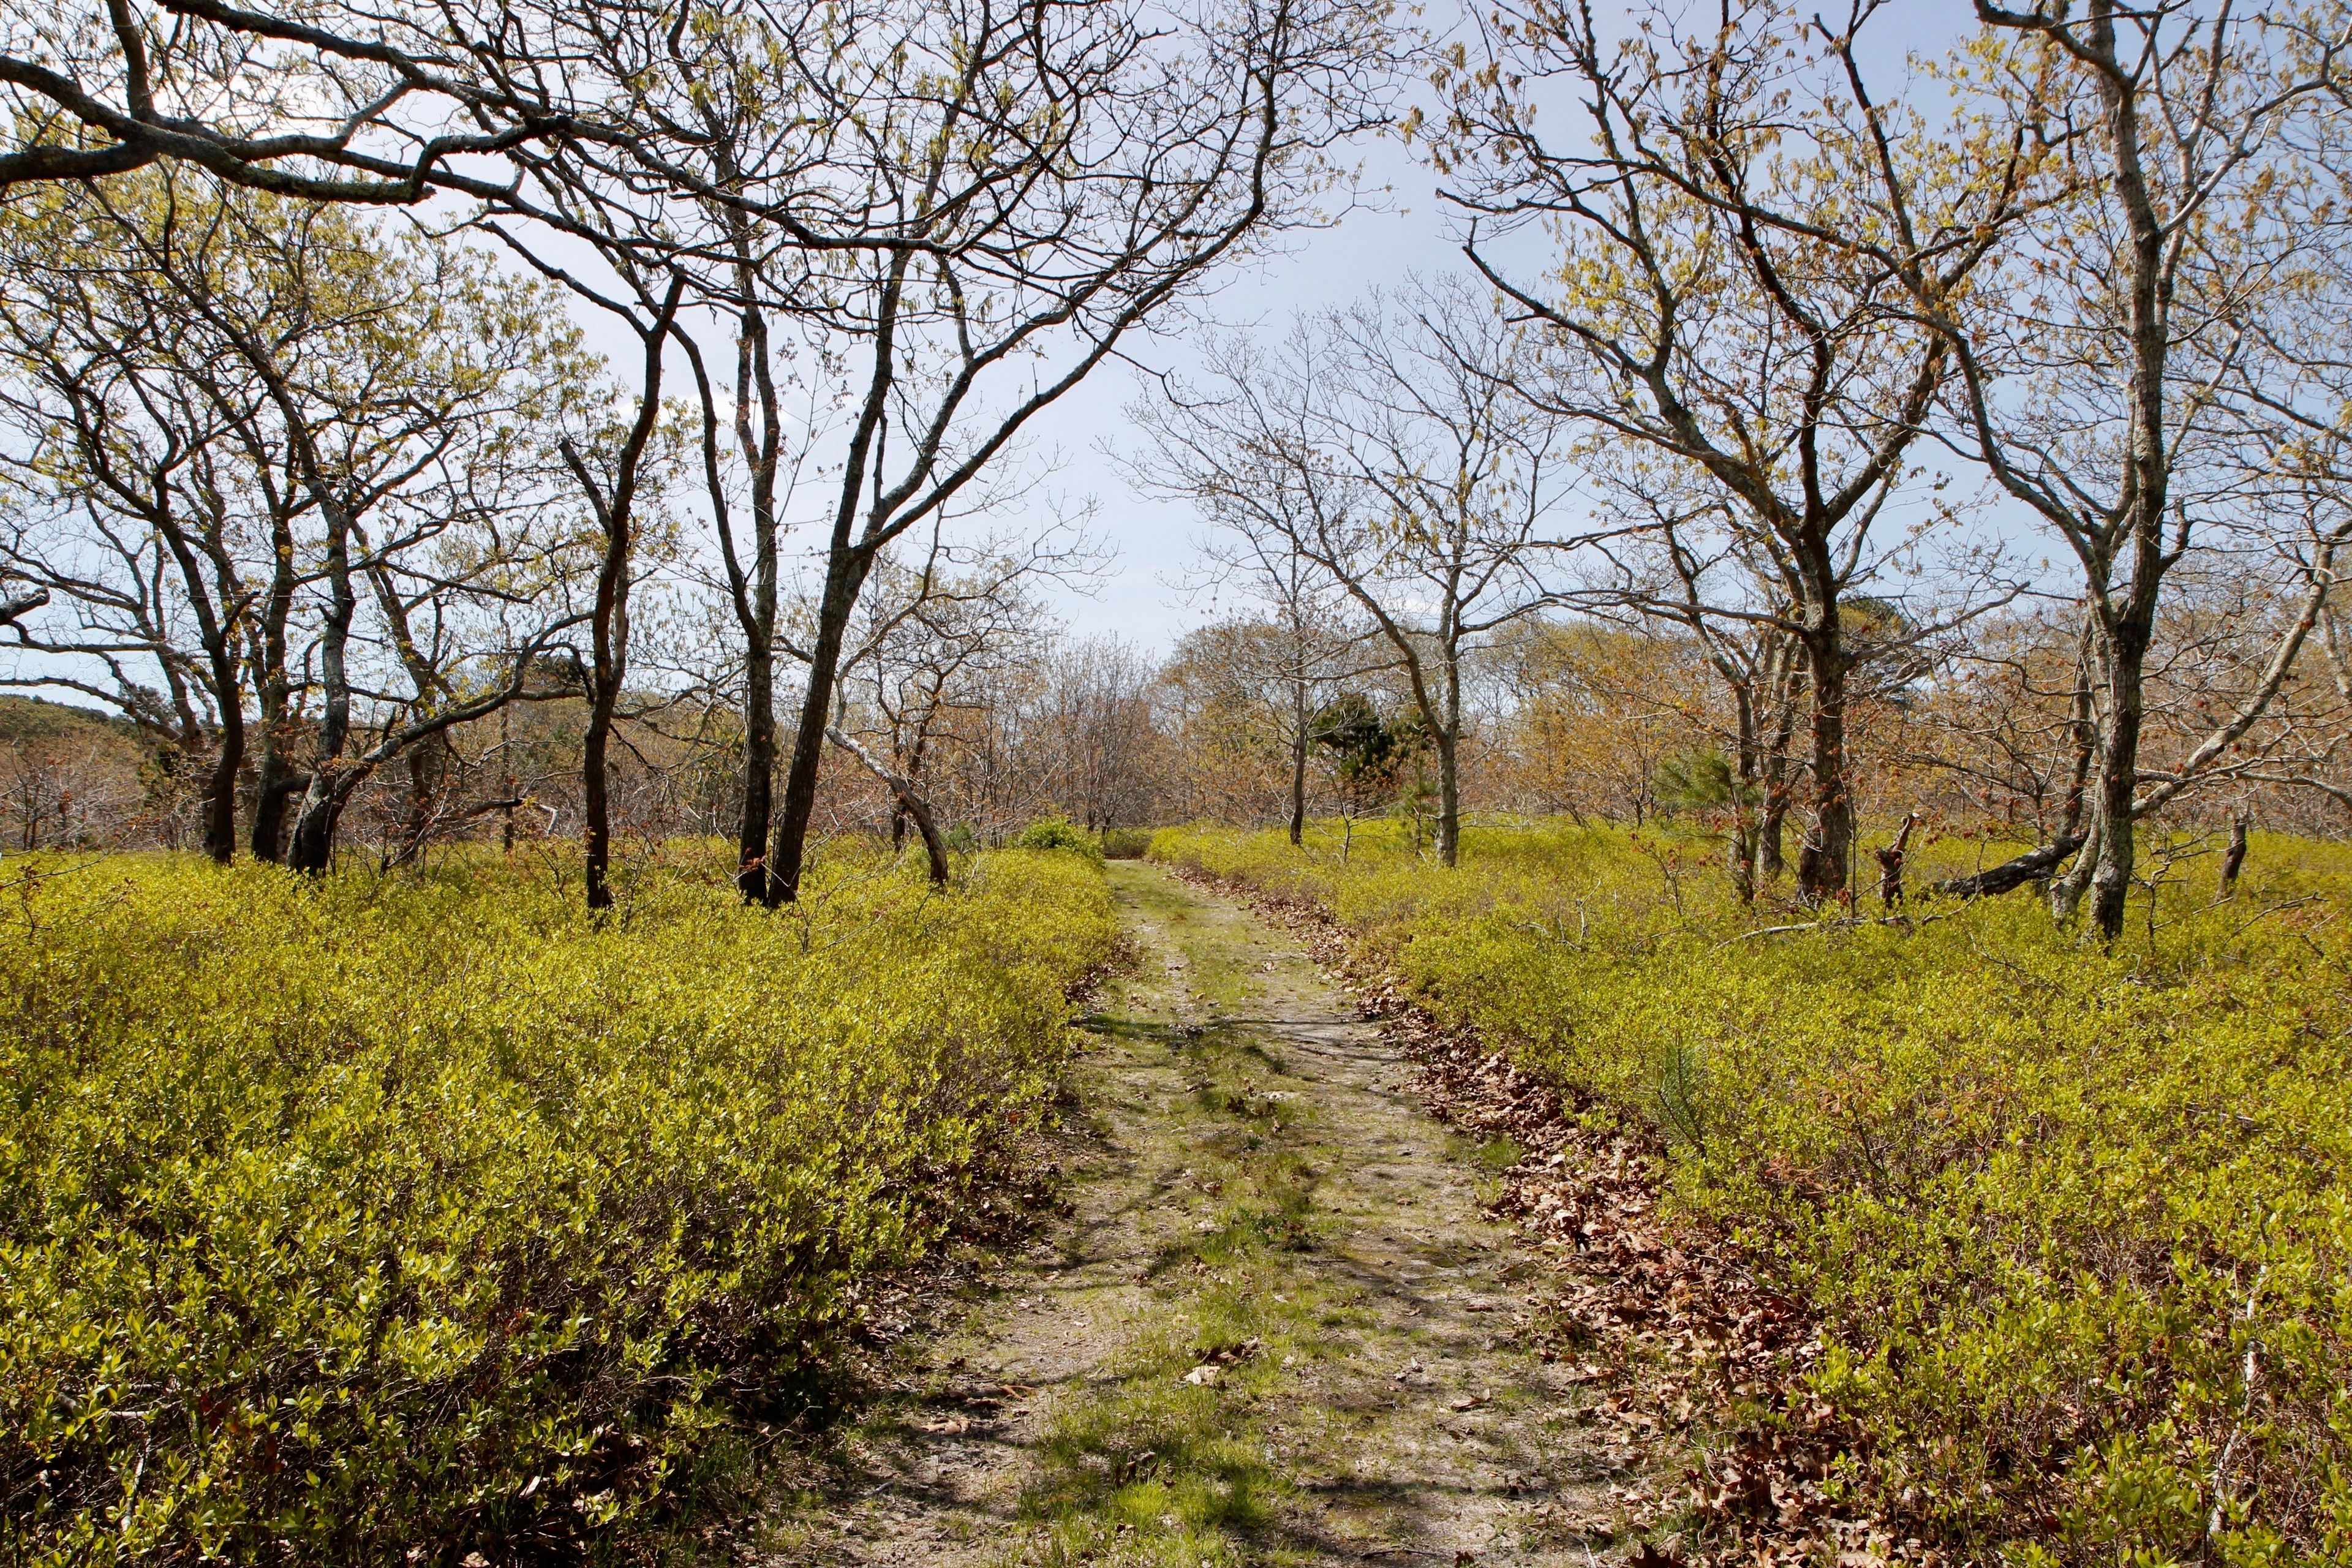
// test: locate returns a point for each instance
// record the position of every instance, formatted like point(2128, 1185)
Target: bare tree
point(1249, 692)
point(1744, 233)
point(323, 103)
point(962, 207)
point(613, 500)
point(2102, 370)
point(1292, 662)
point(957, 210)
point(137, 526)
point(929, 633)
point(1096, 731)
point(244, 400)
point(1384, 446)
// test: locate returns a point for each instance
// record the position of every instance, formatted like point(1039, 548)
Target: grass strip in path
point(1276, 1328)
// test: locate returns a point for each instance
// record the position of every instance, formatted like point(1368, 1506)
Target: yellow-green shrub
point(344, 1218)
point(2077, 1225)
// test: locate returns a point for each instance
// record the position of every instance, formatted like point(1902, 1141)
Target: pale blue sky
point(1399, 230)
point(1403, 228)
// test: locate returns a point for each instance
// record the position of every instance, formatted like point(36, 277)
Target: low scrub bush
point(1125, 843)
point(1059, 834)
point(2076, 1224)
point(380, 1219)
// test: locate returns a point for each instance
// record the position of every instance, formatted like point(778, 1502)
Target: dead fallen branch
point(2034, 865)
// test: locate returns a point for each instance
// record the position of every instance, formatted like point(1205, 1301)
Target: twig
point(1906, 921)
point(2289, 904)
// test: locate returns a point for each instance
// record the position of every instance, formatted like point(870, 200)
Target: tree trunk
point(1449, 801)
point(424, 771)
point(313, 848)
point(759, 754)
point(2126, 634)
point(755, 372)
point(1740, 853)
point(916, 756)
point(217, 634)
point(1299, 721)
point(2083, 729)
point(608, 622)
point(595, 798)
point(2031, 867)
point(1771, 855)
point(506, 753)
point(273, 780)
point(1890, 865)
point(228, 760)
point(845, 566)
point(1825, 861)
point(2113, 842)
point(608, 641)
point(844, 576)
point(1448, 735)
point(273, 786)
point(903, 791)
point(1771, 859)
point(2233, 860)
point(752, 593)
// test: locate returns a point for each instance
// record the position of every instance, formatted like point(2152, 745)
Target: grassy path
point(1275, 1331)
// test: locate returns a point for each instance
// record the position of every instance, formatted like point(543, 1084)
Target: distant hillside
point(38, 719)
point(72, 777)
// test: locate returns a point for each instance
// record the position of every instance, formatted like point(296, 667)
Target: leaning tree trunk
point(1890, 865)
point(2233, 860)
point(902, 790)
point(844, 576)
point(917, 756)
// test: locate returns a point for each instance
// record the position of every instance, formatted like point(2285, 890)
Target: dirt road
point(1276, 1328)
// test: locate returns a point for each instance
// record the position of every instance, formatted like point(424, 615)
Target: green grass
point(2077, 1223)
point(1147, 1470)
